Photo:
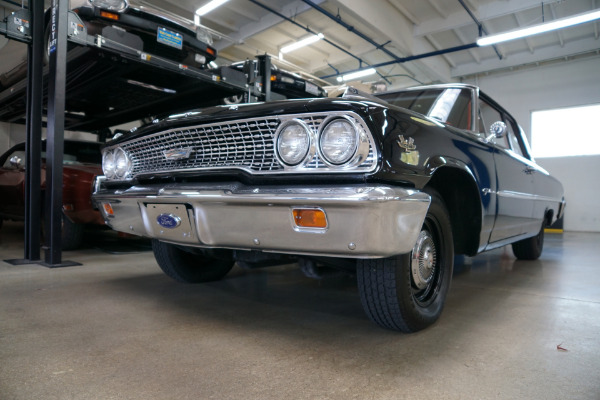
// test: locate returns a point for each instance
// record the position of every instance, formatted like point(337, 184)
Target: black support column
point(55, 135)
point(35, 54)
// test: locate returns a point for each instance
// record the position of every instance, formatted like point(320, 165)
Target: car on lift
point(126, 61)
point(81, 165)
point(285, 84)
point(390, 187)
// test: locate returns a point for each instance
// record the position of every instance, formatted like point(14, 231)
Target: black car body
point(390, 187)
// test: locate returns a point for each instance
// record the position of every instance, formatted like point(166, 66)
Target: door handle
point(529, 170)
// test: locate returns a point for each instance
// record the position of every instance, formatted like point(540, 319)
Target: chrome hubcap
point(423, 260)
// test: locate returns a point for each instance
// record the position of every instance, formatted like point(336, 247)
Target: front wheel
point(407, 292)
point(187, 266)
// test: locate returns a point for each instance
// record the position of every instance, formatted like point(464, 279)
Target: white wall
point(565, 84)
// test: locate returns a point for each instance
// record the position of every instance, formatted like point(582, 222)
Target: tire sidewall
point(425, 315)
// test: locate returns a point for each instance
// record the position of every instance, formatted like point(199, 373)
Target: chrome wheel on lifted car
point(407, 292)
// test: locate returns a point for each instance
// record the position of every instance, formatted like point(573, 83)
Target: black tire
point(188, 267)
point(235, 99)
point(530, 248)
point(399, 294)
point(72, 233)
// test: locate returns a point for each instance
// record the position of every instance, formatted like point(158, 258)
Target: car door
point(12, 177)
point(514, 183)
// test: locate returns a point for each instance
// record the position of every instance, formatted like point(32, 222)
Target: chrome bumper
point(362, 221)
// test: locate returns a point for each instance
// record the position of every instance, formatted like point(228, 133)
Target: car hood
point(252, 110)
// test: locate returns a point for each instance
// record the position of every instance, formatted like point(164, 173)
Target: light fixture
point(357, 74)
point(302, 43)
point(205, 9)
point(213, 65)
point(536, 29)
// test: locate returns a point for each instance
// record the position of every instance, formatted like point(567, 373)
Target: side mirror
point(16, 162)
point(498, 129)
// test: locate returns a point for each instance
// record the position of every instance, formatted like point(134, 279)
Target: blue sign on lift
point(169, 38)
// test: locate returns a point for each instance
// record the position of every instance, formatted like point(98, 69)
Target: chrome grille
point(240, 144)
point(244, 144)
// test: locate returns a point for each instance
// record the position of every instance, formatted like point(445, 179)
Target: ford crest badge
point(168, 221)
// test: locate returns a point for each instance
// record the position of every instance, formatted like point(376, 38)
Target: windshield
point(452, 106)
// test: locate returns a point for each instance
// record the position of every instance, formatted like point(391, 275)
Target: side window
point(512, 135)
point(487, 116)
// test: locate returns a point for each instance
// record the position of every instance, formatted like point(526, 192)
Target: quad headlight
point(339, 141)
point(294, 142)
point(116, 164)
point(113, 5)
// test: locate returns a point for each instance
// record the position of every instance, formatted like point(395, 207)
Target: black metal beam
point(410, 58)
point(55, 134)
point(35, 55)
point(479, 25)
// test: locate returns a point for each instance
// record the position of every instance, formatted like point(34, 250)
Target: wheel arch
point(457, 186)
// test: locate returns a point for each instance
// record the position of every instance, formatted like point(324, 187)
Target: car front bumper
point(363, 221)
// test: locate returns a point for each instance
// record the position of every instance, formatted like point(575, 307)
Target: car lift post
point(55, 134)
point(264, 69)
point(33, 151)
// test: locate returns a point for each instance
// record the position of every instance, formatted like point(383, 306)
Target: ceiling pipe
point(350, 28)
point(307, 29)
point(401, 60)
point(479, 24)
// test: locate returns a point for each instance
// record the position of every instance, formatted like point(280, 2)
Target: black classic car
point(391, 187)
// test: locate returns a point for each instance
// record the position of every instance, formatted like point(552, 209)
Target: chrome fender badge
point(407, 144)
point(169, 221)
point(178, 154)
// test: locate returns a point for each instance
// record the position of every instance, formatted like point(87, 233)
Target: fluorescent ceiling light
point(534, 30)
point(357, 74)
point(205, 9)
point(302, 43)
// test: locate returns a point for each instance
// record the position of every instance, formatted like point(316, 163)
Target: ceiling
point(401, 28)
point(359, 33)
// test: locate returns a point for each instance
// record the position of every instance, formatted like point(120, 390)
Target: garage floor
point(117, 328)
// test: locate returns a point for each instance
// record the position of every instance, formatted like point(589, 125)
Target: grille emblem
point(178, 154)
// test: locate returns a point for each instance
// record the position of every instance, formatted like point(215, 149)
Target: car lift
point(27, 25)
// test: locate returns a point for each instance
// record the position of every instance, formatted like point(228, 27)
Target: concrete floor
point(117, 328)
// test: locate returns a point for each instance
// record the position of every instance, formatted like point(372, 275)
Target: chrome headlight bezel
point(108, 164)
point(358, 151)
point(116, 164)
point(123, 164)
point(307, 153)
point(111, 5)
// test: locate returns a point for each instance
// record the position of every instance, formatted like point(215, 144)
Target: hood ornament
point(406, 144)
point(178, 154)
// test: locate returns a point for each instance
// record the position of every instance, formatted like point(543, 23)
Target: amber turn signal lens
point(108, 209)
point(310, 218)
point(109, 15)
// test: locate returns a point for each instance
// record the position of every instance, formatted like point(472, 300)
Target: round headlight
point(338, 141)
point(122, 163)
point(293, 142)
point(108, 164)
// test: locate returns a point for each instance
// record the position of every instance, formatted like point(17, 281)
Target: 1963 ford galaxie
point(391, 187)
